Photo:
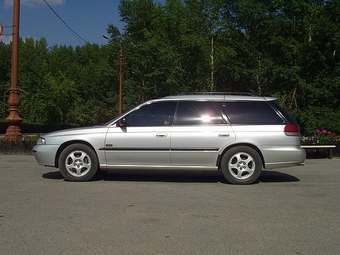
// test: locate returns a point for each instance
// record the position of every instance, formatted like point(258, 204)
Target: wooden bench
point(315, 146)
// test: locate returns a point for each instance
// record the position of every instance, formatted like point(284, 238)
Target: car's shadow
point(274, 176)
point(174, 176)
point(55, 175)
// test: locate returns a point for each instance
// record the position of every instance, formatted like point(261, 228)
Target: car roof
point(218, 96)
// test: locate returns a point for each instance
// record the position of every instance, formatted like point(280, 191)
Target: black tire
point(241, 165)
point(78, 163)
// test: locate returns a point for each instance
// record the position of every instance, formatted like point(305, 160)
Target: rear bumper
point(284, 157)
point(284, 164)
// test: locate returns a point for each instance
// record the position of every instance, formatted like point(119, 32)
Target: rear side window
point(251, 112)
point(197, 113)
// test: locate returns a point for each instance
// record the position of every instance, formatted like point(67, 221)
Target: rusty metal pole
point(120, 78)
point(143, 91)
point(121, 63)
point(13, 132)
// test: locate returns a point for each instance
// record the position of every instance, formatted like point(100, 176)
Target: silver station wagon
point(236, 133)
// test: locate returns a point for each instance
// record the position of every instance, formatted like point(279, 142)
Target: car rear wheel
point(241, 165)
point(78, 162)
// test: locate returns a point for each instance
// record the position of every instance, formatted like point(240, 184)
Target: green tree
point(5, 73)
point(32, 71)
point(285, 48)
point(96, 84)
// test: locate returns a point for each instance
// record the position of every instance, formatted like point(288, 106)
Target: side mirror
point(122, 123)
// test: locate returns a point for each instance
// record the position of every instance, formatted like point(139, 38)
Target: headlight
point(41, 140)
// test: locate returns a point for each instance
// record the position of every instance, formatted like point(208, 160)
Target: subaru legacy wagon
point(236, 133)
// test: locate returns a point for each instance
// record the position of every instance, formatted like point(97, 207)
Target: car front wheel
point(241, 165)
point(78, 162)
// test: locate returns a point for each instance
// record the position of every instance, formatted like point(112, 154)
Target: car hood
point(77, 131)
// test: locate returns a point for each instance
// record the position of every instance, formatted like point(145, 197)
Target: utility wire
point(75, 34)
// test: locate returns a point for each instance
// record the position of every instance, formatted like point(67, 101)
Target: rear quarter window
point(251, 113)
point(197, 113)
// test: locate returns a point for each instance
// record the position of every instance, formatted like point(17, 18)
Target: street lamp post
point(121, 58)
point(13, 132)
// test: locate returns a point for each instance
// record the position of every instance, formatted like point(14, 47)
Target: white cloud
point(32, 3)
point(6, 39)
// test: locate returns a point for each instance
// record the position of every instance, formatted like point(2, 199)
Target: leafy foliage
point(285, 48)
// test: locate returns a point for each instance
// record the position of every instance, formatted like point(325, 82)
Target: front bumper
point(45, 154)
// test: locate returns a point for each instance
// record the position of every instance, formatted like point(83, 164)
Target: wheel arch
point(219, 159)
point(64, 145)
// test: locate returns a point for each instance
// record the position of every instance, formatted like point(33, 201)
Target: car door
point(198, 135)
point(142, 137)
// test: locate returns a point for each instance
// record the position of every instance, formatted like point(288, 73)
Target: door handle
point(224, 135)
point(163, 135)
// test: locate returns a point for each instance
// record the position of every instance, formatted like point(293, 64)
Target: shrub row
point(25, 147)
point(19, 147)
point(29, 128)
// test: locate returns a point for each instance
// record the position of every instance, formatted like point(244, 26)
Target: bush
point(18, 147)
point(29, 128)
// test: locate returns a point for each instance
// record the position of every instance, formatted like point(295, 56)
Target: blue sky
point(88, 18)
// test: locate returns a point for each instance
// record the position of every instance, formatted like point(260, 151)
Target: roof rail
point(222, 93)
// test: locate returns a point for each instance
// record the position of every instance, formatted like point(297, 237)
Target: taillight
point(292, 129)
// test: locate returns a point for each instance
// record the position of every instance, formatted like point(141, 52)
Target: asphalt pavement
point(289, 211)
